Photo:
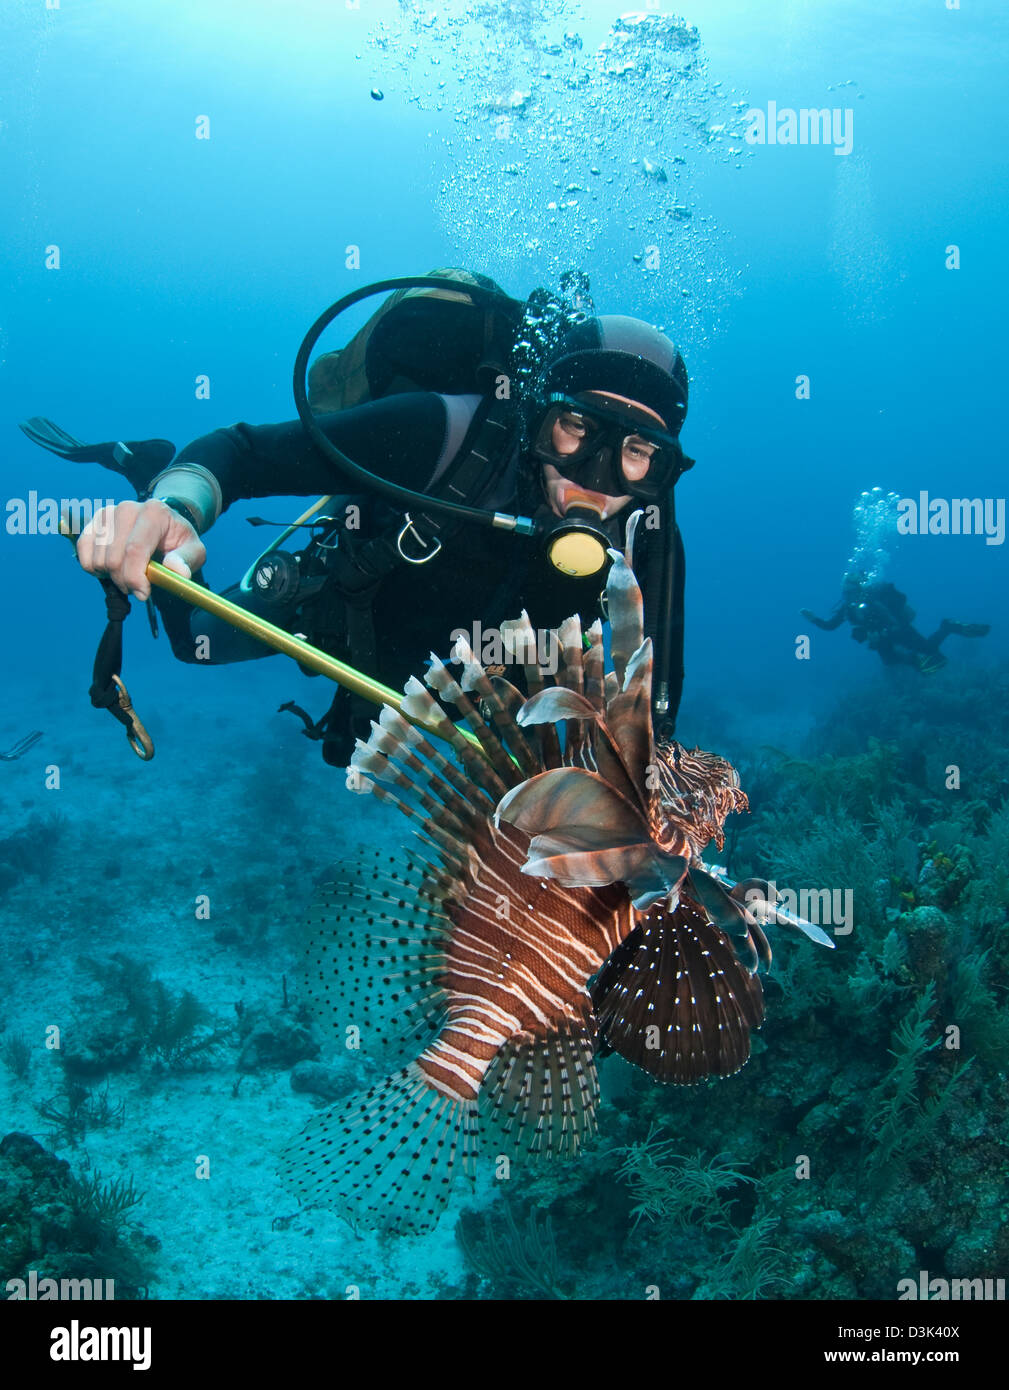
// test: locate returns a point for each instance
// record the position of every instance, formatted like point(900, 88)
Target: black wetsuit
point(481, 573)
point(881, 616)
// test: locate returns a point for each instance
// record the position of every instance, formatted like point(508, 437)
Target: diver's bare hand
point(119, 541)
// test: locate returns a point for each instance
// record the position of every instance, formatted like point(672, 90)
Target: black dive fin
point(51, 437)
point(136, 460)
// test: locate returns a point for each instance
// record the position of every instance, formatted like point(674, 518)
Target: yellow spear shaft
point(303, 652)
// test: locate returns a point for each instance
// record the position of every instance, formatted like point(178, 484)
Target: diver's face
point(568, 433)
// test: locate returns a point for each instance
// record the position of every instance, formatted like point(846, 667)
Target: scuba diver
point(414, 404)
point(881, 617)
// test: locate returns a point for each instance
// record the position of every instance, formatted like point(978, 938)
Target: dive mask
point(617, 449)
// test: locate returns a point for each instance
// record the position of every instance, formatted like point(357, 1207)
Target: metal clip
point(411, 559)
point(139, 739)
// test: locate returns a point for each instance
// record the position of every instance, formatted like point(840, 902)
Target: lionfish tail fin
point(385, 1158)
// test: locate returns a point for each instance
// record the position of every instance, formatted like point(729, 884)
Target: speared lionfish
point(566, 906)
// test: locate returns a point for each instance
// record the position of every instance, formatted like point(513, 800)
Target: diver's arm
point(399, 438)
point(119, 542)
point(827, 624)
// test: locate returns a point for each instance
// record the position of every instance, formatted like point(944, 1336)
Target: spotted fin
point(733, 917)
point(541, 1093)
point(384, 1158)
point(373, 945)
point(674, 1000)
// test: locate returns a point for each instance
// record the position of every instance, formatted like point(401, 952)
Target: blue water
point(181, 257)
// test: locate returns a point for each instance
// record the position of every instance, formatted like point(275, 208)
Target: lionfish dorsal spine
point(441, 680)
point(476, 680)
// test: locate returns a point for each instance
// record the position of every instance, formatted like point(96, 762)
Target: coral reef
point(61, 1226)
point(16, 1054)
point(514, 1262)
point(868, 1137)
point(137, 1015)
point(865, 1140)
point(275, 1038)
point(80, 1109)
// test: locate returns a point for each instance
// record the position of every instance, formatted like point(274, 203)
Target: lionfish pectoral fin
point(783, 918)
point(674, 999)
point(384, 1158)
point(649, 896)
point(731, 916)
point(540, 1094)
point(659, 881)
point(570, 796)
point(587, 839)
point(763, 900)
point(748, 888)
point(564, 859)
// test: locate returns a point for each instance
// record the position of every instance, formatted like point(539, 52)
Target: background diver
point(881, 616)
point(593, 436)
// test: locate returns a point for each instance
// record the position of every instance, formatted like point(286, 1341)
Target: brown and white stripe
point(488, 959)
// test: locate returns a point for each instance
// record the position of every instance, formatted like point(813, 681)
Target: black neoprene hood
point(626, 357)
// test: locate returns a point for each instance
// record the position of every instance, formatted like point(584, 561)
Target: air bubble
point(509, 195)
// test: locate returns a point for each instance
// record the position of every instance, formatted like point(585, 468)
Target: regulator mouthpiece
point(577, 545)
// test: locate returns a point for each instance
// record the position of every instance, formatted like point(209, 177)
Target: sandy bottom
point(239, 807)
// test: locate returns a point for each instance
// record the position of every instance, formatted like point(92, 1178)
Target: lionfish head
point(624, 808)
point(689, 795)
